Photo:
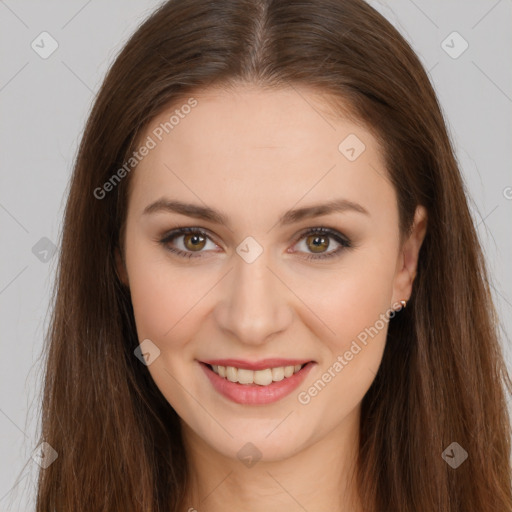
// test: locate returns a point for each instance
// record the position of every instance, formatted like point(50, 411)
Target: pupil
point(194, 240)
point(318, 242)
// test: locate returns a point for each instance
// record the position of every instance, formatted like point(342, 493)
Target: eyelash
point(343, 241)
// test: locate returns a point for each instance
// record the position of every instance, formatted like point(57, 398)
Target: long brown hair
point(442, 377)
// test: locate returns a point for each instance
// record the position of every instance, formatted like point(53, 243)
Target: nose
point(254, 302)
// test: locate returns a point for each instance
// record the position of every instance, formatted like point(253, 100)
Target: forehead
point(250, 146)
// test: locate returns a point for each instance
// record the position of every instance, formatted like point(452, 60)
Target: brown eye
point(187, 242)
point(317, 243)
point(194, 241)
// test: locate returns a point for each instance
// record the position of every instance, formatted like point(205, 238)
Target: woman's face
point(248, 286)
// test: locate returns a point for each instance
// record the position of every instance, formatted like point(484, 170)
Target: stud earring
point(404, 303)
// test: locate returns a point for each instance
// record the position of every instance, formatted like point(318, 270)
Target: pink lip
point(254, 394)
point(256, 365)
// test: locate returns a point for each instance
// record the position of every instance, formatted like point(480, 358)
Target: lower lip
point(254, 394)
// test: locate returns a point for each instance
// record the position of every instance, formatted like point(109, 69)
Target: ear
point(121, 267)
point(407, 262)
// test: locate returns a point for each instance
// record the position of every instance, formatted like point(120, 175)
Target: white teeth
point(288, 371)
point(278, 374)
point(260, 377)
point(232, 374)
point(244, 376)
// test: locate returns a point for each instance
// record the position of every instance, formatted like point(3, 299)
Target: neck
point(319, 477)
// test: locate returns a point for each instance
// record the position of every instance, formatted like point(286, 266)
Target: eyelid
point(324, 229)
point(343, 242)
point(182, 231)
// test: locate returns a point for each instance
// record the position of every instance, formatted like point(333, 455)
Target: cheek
point(355, 306)
point(166, 305)
point(349, 299)
point(358, 314)
point(155, 303)
point(163, 296)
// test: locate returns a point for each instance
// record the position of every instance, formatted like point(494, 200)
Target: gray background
point(44, 104)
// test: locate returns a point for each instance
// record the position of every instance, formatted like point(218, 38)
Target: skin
point(254, 154)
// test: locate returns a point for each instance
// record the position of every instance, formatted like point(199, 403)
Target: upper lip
point(262, 364)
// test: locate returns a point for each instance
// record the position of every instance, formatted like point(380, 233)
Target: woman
point(271, 294)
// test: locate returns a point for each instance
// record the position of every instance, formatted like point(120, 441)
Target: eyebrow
point(289, 217)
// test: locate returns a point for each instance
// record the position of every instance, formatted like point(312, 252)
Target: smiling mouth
point(263, 377)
